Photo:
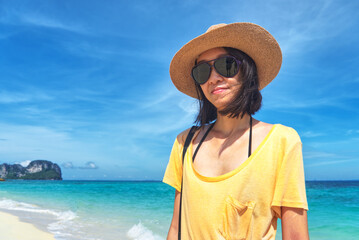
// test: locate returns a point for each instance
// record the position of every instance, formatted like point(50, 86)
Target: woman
point(239, 174)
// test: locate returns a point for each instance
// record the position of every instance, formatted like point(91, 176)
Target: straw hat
point(250, 38)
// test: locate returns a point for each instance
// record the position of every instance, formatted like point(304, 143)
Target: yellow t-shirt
point(244, 203)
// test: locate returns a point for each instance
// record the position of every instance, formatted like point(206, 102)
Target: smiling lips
point(218, 90)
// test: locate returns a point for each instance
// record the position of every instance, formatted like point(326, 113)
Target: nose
point(214, 77)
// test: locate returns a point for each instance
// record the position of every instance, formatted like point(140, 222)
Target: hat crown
point(215, 27)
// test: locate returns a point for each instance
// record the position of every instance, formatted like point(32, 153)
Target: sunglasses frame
point(238, 62)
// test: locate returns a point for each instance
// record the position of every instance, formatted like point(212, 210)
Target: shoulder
point(287, 135)
point(181, 138)
point(287, 131)
point(280, 129)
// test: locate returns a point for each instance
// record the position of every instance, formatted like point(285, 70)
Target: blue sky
point(85, 84)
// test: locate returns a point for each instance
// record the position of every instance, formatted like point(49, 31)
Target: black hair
point(247, 100)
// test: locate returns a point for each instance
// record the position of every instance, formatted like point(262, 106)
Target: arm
point(294, 224)
point(173, 231)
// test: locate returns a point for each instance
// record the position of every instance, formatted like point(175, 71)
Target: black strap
point(188, 141)
point(250, 138)
point(185, 146)
point(200, 142)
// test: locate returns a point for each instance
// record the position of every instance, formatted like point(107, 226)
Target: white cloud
point(310, 155)
point(352, 131)
point(158, 99)
point(286, 102)
point(34, 142)
point(6, 97)
point(67, 165)
point(313, 22)
point(329, 163)
point(189, 106)
point(17, 97)
point(25, 163)
point(40, 20)
point(310, 134)
point(15, 17)
point(89, 165)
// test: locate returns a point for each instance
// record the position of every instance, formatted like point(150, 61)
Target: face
point(219, 90)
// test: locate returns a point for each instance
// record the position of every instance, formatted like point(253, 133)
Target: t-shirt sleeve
point(290, 182)
point(173, 174)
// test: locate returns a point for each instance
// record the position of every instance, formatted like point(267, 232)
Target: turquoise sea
point(97, 210)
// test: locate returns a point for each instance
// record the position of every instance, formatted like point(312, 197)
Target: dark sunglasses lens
point(226, 66)
point(201, 72)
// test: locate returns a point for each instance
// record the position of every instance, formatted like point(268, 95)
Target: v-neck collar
point(234, 171)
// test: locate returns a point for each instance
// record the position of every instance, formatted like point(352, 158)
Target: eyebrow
point(222, 55)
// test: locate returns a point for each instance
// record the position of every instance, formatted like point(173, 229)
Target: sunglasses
point(226, 66)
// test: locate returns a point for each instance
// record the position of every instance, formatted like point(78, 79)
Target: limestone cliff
point(36, 170)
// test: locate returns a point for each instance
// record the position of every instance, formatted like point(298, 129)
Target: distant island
point(36, 170)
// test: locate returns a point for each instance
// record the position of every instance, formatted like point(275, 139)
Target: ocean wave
point(140, 232)
point(62, 220)
point(9, 204)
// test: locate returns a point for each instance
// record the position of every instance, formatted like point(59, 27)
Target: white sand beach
point(12, 228)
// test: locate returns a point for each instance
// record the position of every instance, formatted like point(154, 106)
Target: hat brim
point(250, 38)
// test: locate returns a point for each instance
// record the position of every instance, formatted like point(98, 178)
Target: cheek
point(236, 79)
point(204, 89)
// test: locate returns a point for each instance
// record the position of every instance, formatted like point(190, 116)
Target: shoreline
point(12, 228)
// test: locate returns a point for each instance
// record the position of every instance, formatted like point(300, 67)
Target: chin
point(221, 106)
point(222, 103)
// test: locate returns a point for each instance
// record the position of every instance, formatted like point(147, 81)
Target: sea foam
point(140, 232)
point(61, 220)
point(8, 204)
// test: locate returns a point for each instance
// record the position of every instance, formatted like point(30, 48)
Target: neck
point(227, 126)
